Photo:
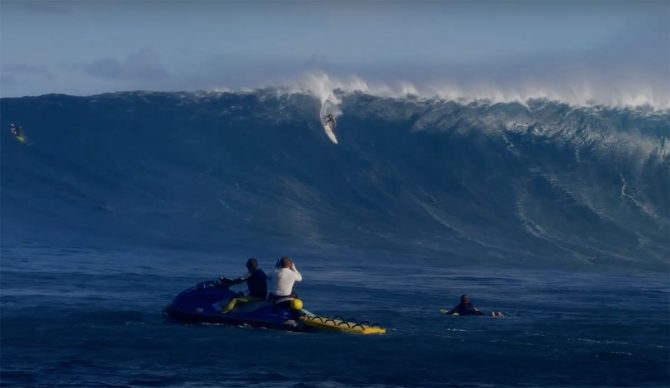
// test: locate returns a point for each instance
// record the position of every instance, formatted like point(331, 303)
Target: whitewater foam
point(326, 87)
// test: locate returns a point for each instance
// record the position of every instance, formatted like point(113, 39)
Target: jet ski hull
point(204, 303)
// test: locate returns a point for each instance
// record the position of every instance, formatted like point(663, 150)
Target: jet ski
point(205, 302)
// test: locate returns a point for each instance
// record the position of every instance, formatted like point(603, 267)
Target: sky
point(610, 52)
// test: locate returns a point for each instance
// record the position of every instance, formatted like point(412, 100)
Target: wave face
point(537, 184)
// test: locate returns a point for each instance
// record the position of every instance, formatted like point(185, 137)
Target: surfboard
point(491, 314)
point(328, 127)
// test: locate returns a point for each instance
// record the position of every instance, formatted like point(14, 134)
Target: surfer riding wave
point(329, 123)
point(17, 132)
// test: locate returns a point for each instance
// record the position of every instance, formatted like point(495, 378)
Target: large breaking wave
point(538, 183)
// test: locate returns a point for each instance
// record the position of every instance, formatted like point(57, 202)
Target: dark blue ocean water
point(557, 215)
point(75, 316)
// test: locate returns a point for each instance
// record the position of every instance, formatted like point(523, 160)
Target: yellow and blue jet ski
point(205, 302)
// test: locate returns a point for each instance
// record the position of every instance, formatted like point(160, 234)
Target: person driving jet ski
point(256, 283)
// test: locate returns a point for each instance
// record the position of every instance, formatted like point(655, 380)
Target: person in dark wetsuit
point(329, 119)
point(15, 129)
point(257, 285)
point(467, 308)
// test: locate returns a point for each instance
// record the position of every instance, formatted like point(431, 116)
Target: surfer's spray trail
point(539, 183)
point(321, 86)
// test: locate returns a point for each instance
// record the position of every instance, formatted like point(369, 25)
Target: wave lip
point(326, 87)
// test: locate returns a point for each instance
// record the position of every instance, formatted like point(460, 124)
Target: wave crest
point(324, 86)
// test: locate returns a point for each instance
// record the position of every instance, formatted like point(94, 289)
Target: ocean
point(556, 215)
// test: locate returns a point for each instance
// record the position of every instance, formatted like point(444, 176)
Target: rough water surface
point(557, 215)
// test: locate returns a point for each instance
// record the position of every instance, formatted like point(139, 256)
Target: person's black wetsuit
point(465, 309)
point(257, 284)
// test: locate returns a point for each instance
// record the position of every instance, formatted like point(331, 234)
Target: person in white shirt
point(286, 274)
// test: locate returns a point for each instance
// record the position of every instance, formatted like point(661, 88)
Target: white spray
point(583, 93)
point(329, 90)
point(324, 88)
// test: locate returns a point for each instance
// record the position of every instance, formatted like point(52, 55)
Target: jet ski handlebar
point(219, 283)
